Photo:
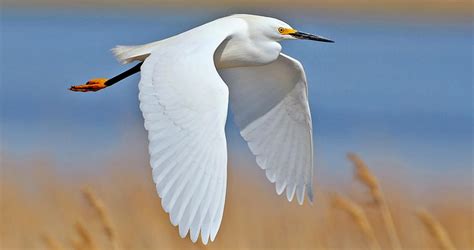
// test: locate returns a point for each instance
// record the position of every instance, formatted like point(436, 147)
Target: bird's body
point(187, 82)
point(238, 46)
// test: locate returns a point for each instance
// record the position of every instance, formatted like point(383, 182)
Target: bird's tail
point(127, 54)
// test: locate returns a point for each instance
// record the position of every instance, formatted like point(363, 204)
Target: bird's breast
point(235, 52)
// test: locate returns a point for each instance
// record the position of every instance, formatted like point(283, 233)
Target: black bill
point(307, 36)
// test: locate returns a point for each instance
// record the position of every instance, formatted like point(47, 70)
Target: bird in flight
point(187, 83)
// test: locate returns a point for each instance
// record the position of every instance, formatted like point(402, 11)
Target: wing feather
point(185, 116)
point(270, 105)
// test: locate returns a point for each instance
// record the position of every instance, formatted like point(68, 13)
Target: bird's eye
point(281, 30)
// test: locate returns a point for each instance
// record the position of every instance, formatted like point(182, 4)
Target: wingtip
point(300, 193)
point(204, 239)
point(310, 194)
point(183, 231)
point(290, 192)
point(310, 201)
point(300, 202)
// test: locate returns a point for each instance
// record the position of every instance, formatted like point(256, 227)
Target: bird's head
point(278, 30)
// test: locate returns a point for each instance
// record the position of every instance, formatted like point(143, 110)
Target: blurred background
point(396, 88)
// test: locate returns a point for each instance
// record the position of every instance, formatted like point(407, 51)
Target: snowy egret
point(186, 84)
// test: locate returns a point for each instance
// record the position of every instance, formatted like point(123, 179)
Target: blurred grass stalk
point(359, 216)
point(85, 241)
point(104, 217)
point(436, 230)
point(130, 216)
point(51, 243)
point(365, 176)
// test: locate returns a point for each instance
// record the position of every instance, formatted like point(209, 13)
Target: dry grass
point(41, 209)
point(436, 230)
point(365, 176)
point(85, 241)
point(99, 207)
point(51, 243)
point(359, 217)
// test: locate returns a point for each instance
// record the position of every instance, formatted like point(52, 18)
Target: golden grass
point(359, 216)
point(119, 209)
point(51, 243)
point(365, 176)
point(85, 241)
point(107, 224)
point(436, 230)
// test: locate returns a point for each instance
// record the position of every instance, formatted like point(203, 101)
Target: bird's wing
point(270, 105)
point(184, 104)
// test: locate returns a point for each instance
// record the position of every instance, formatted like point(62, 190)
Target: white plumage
point(185, 87)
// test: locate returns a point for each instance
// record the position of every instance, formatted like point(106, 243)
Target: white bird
point(187, 82)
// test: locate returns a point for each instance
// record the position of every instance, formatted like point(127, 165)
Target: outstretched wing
point(184, 103)
point(270, 105)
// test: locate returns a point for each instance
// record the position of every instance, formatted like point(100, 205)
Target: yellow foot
point(92, 85)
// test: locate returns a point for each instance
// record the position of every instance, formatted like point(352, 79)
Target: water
point(400, 89)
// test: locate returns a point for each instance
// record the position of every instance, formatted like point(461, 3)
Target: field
point(115, 207)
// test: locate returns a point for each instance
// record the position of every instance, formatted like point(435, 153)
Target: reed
point(359, 217)
point(254, 217)
point(99, 206)
point(366, 177)
point(50, 242)
point(85, 241)
point(436, 230)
